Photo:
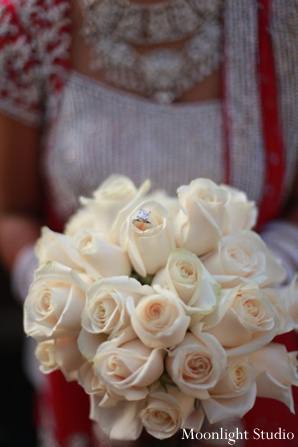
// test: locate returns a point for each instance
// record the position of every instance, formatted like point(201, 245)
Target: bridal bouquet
point(163, 309)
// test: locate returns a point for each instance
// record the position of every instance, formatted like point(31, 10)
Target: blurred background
point(16, 402)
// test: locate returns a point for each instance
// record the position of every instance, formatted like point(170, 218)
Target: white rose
point(105, 310)
point(119, 422)
point(202, 219)
point(61, 353)
point(243, 257)
point(234, 395)
point(148, 245)
point(168, 411)
point(68, 357)
point(88, 343)
point(289, 298)
point(45, 354)
point(239, 378)
point(83, 218)
point(113, 201)
point(196, 364)
point(129, 369)
point(276, 372)
point(280, 298)
point(89, 380)
point(55, 302)
point(186, 276)
point(159, 320)
point(98, 256)
point(243, 321)
point(242, 213)
point(52, 246)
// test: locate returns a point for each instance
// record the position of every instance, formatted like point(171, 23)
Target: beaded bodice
point(91, 131)
point(101, 131)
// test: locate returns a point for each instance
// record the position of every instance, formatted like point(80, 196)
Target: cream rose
point(280, 298)
point(148, 245)
point(239, 379)
point(186, 276)
point(243, 321)
point(168, 411)
point(233, 395)
point(113, 201)
point(242, 213)
point(83, 218)
point(159, 320)
point(88, 343)
point(55, 302)
point(105, 310)
point(45, 354)
point(196, 364)
point(61, 353)
point(99, 257)
point(119, 422)
point(68, 357)
point(129, 369)
point(52, 246)
point(203, 218)
point(89, 380)
point(243, 257)
point(276, 372)
point(289, 299)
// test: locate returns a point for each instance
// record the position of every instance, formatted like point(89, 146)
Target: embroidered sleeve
point(34, 56)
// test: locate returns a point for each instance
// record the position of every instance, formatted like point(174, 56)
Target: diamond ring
point(141, 221)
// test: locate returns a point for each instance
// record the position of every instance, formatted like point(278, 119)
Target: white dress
point(91, 131)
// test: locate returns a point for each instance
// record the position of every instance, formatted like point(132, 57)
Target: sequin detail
point(148, 24)
point(163, 74)
point(246, 142)
point(34, 56)
point(102, 131)
point(284, 32)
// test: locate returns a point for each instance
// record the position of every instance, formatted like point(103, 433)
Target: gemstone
point(143, 215)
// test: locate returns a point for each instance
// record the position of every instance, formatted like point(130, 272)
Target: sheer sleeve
point(34, 56)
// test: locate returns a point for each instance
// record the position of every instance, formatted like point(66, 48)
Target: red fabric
point(70, 404)
point(26, 29)
point(14, 41)
point(268, 415)
point(270, 206)
point(51, 219)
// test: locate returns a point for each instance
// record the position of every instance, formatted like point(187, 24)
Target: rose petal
point(54, 303)
point(217, 409)
point(196, 364)
point(129, 369)
point(100, 257)
point(242, 257)
point(68, 357)
point(89, 343)
point(148, 249)
point(202, 213)
point(120, 422)
point(159, 320)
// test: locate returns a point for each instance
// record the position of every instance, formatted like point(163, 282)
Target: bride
point(169, 90)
